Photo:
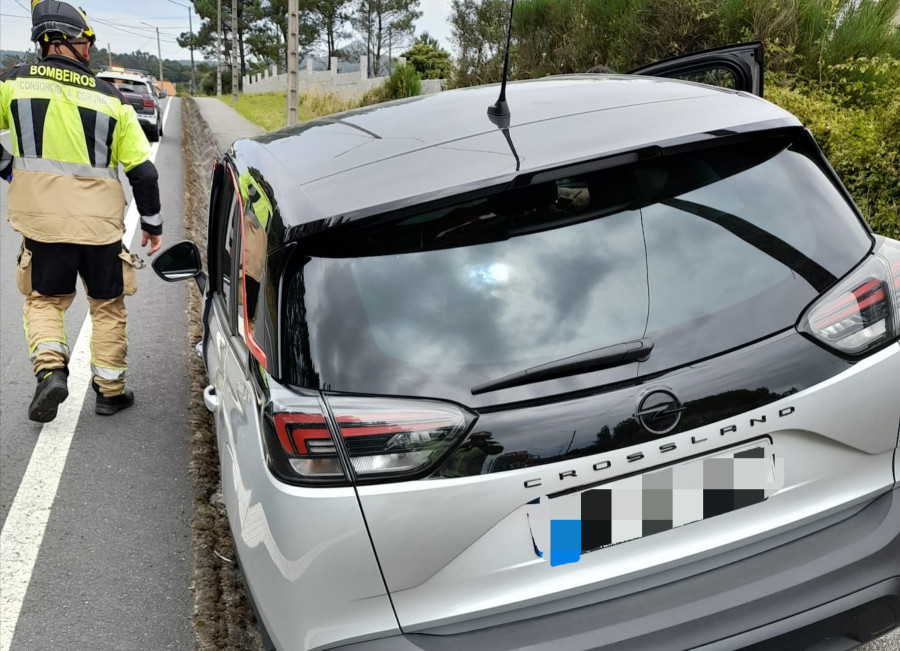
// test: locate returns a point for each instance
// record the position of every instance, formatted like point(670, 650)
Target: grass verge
point(269, 110)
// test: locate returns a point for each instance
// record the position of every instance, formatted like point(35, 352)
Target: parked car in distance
point(617, 370)
point(143, 95)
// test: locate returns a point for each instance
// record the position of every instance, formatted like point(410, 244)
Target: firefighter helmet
point(51, 20)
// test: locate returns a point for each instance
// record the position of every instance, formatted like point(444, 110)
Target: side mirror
point(162, 94)
point(180, 262)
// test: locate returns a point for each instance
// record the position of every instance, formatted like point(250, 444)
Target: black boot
point(107, 406)
point(50, 392)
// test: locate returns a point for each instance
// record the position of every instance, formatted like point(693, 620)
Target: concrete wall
point(348, 86)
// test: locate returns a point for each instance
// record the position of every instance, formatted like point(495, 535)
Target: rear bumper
point(841, 584)
point(147, 120)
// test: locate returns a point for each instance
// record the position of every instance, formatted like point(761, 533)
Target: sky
point(121, 24)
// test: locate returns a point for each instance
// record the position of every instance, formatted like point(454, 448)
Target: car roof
point(381, 157)
point(124, 76)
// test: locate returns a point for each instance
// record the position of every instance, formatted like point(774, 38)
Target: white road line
point(26, 522)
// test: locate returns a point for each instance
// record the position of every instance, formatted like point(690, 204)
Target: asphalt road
point(112, 569)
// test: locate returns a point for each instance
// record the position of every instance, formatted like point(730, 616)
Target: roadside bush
point(207, 83)
point(864, 28)
point(802, 37)
point(864, 82)
point(376, 95)
point(862, 146)
point(429, 61)
point(886, 219)
point(678, 27)
point(891, 122)
point(403, 82)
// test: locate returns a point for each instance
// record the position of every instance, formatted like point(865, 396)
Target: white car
point(619, 370)
point(143, 96)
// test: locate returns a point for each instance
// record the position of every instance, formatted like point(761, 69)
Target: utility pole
point(158, 49)
point(234, 52)
point(293, 62)
point(159, 55)
point(219, 41)
point(191, 28)
point(109, 52)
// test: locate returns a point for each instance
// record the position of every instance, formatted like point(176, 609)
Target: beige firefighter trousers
point(44, 322)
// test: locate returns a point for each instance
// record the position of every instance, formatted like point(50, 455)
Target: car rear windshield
point(702, 253)
point(128, 86)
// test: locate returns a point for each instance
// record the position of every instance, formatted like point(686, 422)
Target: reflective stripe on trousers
point(45, 330)
point(109, 344)
point(52, 346)
point(44, 321)
point(103, 373)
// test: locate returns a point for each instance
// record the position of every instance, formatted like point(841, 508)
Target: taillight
point(862, 312)
point(384, 439)
point(148, 103)
point(301, 437)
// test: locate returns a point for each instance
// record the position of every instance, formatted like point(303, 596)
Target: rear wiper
point(593, 360)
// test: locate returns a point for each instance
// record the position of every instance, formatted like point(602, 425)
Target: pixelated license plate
point(564, 527)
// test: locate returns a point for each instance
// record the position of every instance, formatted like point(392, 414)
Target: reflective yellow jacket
point(257, 211)
point(70, 131)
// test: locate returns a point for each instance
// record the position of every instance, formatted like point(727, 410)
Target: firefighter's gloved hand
point(6, 164)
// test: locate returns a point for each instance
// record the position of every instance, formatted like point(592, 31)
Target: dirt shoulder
point(223, 617)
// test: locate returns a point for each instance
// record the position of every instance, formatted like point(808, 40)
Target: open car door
point(732, 66)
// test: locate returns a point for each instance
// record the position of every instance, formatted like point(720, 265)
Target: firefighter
point(70, 131)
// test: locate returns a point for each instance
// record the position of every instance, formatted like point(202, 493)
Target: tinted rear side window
point(702, 253)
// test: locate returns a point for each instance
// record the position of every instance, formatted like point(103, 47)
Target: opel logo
point(659, 412)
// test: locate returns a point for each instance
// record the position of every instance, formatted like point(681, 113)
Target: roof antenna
point(499, 112)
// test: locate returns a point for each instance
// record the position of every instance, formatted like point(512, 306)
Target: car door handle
point(211, 399)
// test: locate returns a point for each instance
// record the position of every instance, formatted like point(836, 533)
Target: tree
point(267, 34)
point(174, 71)
point(479, 31)
point(207, 83)
point(9, 61)
point(363, 24)
point(206, 37)
point(384, 24)
point(430, 61)
point(329, 17)
point(427, 39)
point(206, 40)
